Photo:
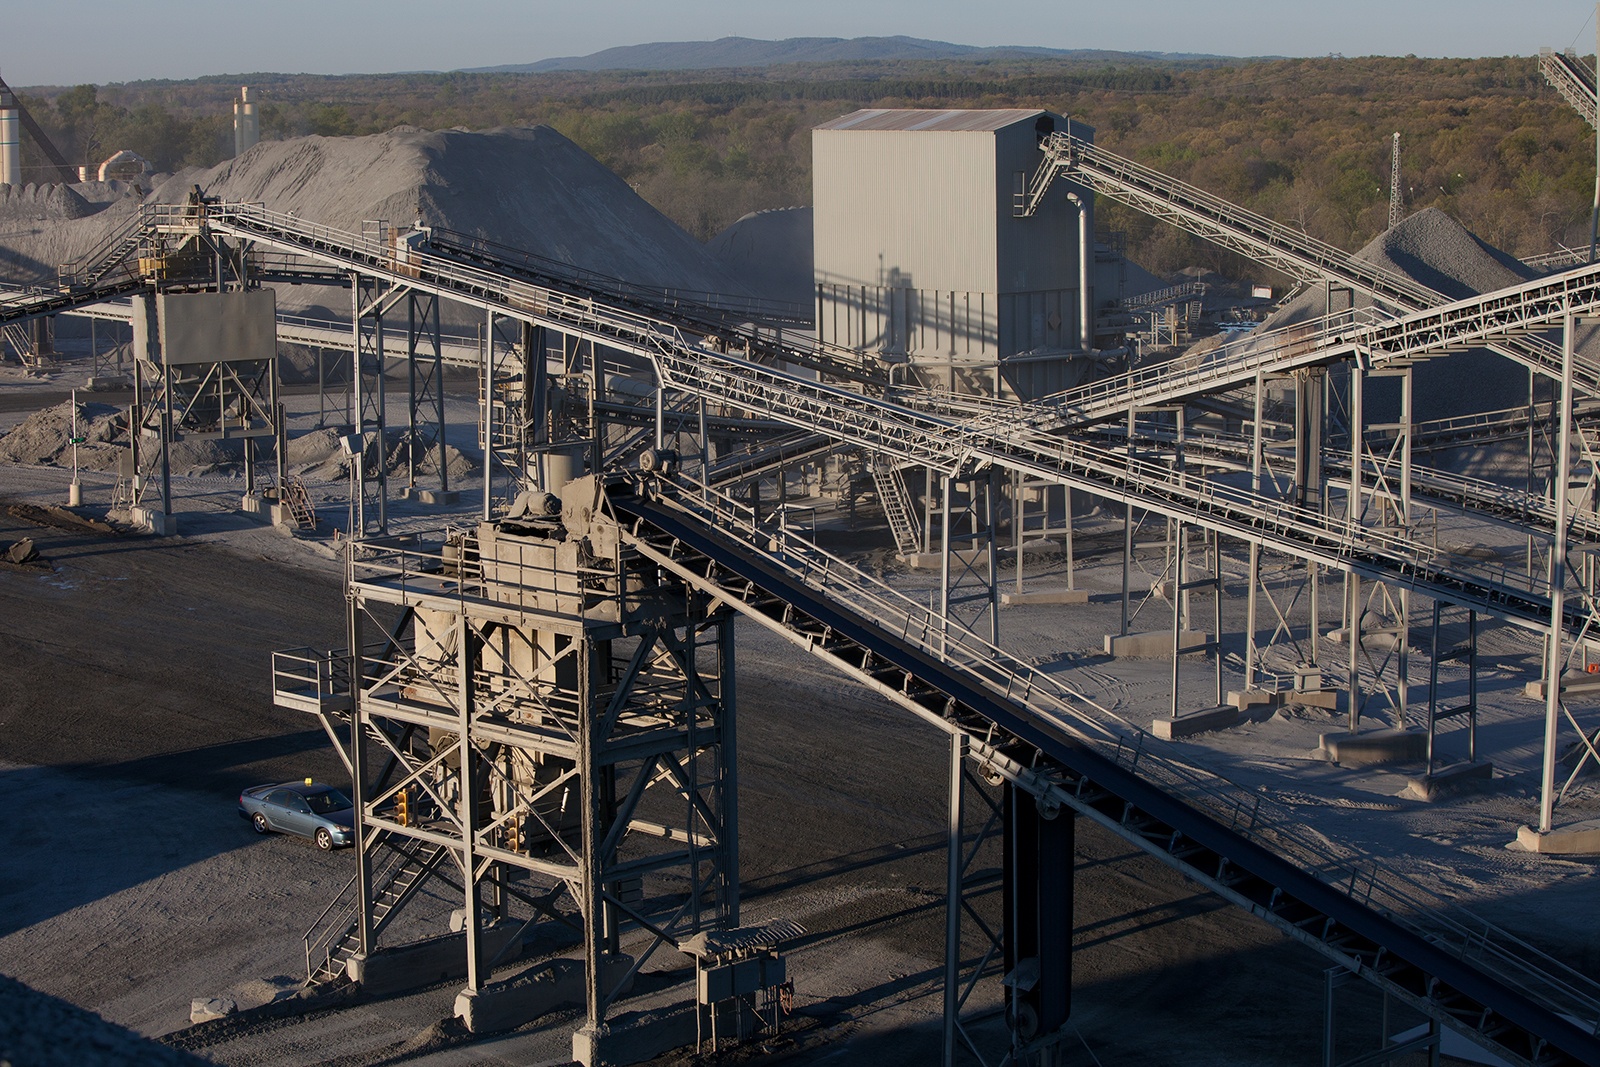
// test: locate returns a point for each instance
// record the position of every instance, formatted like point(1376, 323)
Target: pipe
point(1085, 208)
point(10, 140)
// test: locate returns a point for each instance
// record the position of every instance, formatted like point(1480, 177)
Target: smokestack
point(10, 139)
point(246, 126)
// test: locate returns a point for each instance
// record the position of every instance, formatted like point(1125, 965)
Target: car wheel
point(324, 840)
point(259, 821)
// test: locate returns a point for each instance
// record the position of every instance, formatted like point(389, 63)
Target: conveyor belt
point(1383, 948)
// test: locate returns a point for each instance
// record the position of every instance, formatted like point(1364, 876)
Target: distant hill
point(747, 52)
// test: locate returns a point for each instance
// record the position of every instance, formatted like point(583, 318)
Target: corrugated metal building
point(920, 260)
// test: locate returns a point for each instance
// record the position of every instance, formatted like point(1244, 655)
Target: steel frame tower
point(545, 719)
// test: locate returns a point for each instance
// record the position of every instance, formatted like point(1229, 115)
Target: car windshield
point(329, 801)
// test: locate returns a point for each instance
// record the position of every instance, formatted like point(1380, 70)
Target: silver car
point(309, 809)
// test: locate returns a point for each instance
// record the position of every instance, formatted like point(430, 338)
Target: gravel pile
point(772, 251)
point(1435, 250)
point(37, 1030)
point(528, 188)
point(45, 437)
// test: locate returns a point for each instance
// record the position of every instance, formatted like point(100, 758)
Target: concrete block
point(1247, 699)
point(1456, 779)
point(1046, 596)
point(932, 561)
point(429, 496)
point(559, 984)
point(1156, 644)
point(1579, 839)
point(1374, 747)
point(207, 1009)
point(109, 383)
point(1200, 722)
point(154, 521)
point(1573, 683)
point(438, 959)
point(635, 1037)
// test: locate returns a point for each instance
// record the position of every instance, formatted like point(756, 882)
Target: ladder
point(16, 335)
point(896, 501)
point(298, 501)
point(336, 935)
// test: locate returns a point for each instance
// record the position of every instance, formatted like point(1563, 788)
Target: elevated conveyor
point(1253, 235)
point(953, 446)
point(1506, 1000)
point(1572, 78)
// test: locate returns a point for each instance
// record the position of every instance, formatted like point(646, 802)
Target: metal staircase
point(20, 341)
point(896, 503)
point(1484, 982)
point(298, 500)
point(335, 936)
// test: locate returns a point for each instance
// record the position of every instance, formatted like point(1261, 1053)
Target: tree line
point(1305, 141)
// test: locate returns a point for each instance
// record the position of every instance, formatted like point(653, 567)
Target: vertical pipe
point(1433, 687)
point(487, 393)
point(411, 390)
point(991, 519)
point(1072, 568)
point(1216, 608)
point(1472, 685)
point(1352, 633)
point(468, 801)
point(10, 141)
point(952, 897)
point(1177, 610)
point(358, 764)
point(944, 563)
point(438, 393)
point(727, 678)
point(1558, 582)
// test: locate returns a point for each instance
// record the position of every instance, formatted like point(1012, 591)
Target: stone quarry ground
point(135, 704)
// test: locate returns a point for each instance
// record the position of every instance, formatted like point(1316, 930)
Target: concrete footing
point(1574, 684)
point(635, 1037)
point(1156, 644)
point(156, 522)
point(1448, 780)
point(1245, 700)
point(1374, 747)
point(430, 496)
point(1200, 722)
point(1579, 839)
point(396, 970)
point(106, 383)
point(1046, 596)
point(558, 984)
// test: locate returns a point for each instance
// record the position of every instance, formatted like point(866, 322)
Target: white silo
point(10, 139)
point(246, 125)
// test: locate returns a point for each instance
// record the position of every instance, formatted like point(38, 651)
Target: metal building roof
point(945, 121)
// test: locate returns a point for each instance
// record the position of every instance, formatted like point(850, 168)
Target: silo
point(920, 259)
point(10, 139)
point(246, 126)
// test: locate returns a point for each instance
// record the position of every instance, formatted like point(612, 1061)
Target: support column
point(952, 907)
point(1558, 582)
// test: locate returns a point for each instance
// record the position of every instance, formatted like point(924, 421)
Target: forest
point(1304, 141)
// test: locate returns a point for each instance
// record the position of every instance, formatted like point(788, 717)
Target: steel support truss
point(555, 745)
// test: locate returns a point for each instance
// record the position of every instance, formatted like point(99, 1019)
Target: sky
point(70, 42)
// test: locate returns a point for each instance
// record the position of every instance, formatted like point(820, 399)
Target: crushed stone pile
point(531, 189)
point(317, 456)
point(772, 251)
point(1435, 250)
point(45, 437)
point(38, 1030)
